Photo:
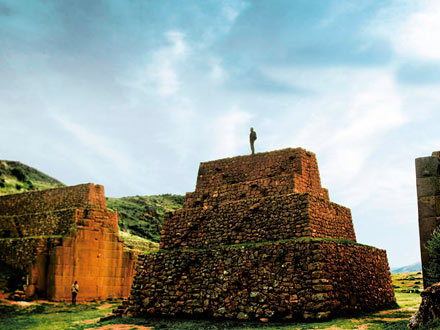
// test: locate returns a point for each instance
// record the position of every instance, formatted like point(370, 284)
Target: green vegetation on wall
point(433, 248)
point(143, 215)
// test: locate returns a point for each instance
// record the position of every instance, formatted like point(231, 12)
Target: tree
point(433, 247)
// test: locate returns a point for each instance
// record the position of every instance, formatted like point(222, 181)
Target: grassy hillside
point(407, 282)
point(16, 177)
point(137, 243)
point(143, 215)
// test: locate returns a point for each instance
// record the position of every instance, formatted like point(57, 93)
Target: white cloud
point(161, 70)
point(346, 122)
point(100, 145)
point(232, 10)
point(420, 32)
point(229, 130)
point(349, 114)
point(411, 26)
point(218, 73)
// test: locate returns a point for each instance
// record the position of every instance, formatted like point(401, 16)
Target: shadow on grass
point(7, 311)
point(47, 316)
point(389, 325)
point(158, 323)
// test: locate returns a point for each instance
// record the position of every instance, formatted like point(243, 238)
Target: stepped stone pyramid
point(259, 238)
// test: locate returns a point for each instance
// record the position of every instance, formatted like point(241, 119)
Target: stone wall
point(267, 174)
point(65, 234)
point(95, 257)
point(311, 278)
point(80, 196)
point(428, 201)
point(22, 253)
point(37, 224)
point(259, 238)
point(256, 220)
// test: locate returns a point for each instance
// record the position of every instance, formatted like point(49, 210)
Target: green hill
point(143, 215)
point(16, 177)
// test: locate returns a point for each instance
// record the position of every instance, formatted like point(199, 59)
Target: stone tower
point(428, 201)
point(60, 235)
point(259, 238)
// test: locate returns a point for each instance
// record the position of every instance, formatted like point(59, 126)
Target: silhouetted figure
point(252, 138)
point(75, 290)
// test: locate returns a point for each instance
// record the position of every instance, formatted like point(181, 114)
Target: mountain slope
point(416, 267)
point(143, 215)
point(16, 177)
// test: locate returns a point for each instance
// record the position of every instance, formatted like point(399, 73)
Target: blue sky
point(135, 94)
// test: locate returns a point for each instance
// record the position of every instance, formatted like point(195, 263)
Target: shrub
point(19, 174)
point(18, 187)
point(433, 268)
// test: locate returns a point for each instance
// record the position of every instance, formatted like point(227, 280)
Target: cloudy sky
point(135, 94)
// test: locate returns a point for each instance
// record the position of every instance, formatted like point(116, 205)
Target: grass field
point(44, 316)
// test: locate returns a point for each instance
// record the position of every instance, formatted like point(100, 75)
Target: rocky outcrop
point(429, 309)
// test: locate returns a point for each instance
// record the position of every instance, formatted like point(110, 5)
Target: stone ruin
point(57, 236)
point(428, 201)
point(259, 238)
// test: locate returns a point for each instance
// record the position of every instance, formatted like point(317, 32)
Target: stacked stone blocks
point(428, 201)
point(283, 252)
point(61, 235)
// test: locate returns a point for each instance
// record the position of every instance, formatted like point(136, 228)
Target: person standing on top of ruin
point(75, 290)
point(252, 138)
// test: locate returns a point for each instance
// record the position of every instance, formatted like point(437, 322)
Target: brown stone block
point(92, 244)
point(92, 269)
point(85, 255)
point(427, 166)
point(108, 236)
point(110, 254)
point(64, 270)
point(107, 245)
point(108, 272)
point(64, 256)
point(90, 235)
point(428, 186)
point(428, 206)
point(67, 242)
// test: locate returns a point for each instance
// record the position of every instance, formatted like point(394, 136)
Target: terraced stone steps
point(256, 220)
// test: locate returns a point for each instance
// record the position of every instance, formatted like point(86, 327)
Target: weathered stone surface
point(259, 239)
point(429, 309)
point(427, 166)
point(428, 201)
point(257, 220)
point(265, 174)
point(61, 235)
point(270, 279)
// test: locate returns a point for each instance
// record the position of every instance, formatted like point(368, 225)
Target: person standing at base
point(75, 290)
point(252, 138)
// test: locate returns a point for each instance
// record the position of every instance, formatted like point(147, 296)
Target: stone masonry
point(57, 236)
point(428, 201)
point(259, 238)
